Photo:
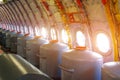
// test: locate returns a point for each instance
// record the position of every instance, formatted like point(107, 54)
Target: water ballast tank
point(3, 38)
point(24, 42)
point(111, 71)
point(13, 42)
point(50, 58)
point(19, 35)
point(21, 46)
point(32, 51)
point(8, 40)
point(81, 65)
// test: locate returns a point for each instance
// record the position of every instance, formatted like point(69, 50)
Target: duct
point(14, 67)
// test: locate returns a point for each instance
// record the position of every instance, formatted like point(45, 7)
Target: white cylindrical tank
point(13, 42)
point(3, 38)
point(50, 58)
point(111, 71)
point(5, 33)
point(8, 40)
point(81, 65)
point(19, 36)
point(32, 51)
point(21, 46)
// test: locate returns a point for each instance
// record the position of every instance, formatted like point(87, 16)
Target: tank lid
point(53, 41)
point(84, 55)
point(112, 69)
point(37, 37)
point(80, 48)
point(55, 46)
point(26, 34)
point(18, 32)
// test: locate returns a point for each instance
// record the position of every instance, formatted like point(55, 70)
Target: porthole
point(53, 34)
point(102, 42)
point(80, 39)
point(64, 36)
point(44, 32)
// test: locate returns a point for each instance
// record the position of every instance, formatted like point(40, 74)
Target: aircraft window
point(44, 32)
point(64, 36)
point(53, 34)
point(31, 31)
point(80, 38)
point(1, 1)
point(102, 42)
point(37, 31)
